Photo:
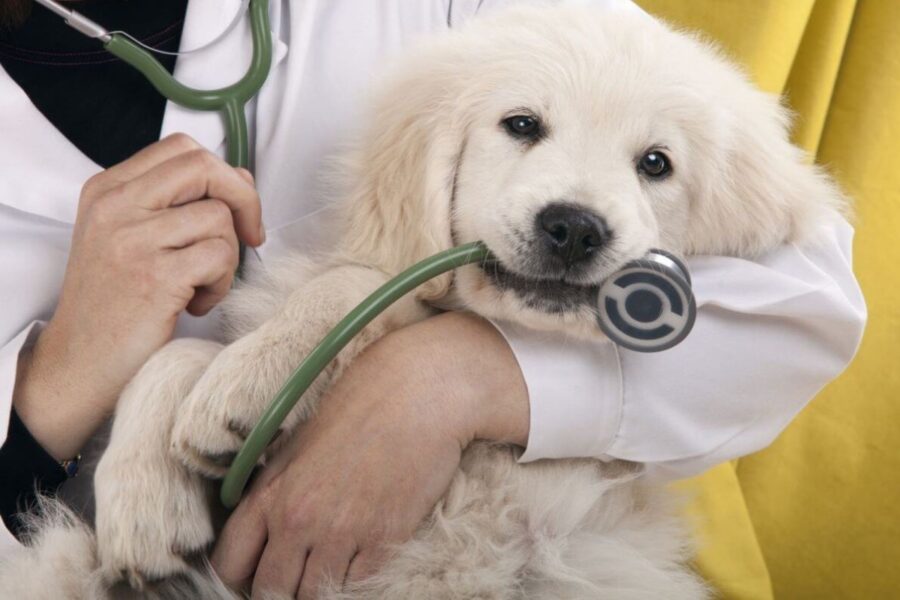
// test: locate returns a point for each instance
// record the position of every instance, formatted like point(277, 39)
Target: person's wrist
point(77, 363)
point(32, 402)
point(409, 375)
point(54, 398)
point(500, 408)
point(465, 375)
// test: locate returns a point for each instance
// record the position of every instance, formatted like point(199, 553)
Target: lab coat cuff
point(574, 392)
point(9, 364)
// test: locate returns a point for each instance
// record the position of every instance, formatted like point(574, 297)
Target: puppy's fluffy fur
point(438, 167)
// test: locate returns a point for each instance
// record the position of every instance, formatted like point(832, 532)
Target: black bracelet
point(70, 466)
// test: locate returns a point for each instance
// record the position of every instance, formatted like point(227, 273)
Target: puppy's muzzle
point(571, 233)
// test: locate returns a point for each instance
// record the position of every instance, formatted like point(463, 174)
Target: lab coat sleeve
point(9, 361)
point(770, 333)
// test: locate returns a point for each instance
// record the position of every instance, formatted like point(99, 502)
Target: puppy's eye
point(524, 127)
point(655, 165)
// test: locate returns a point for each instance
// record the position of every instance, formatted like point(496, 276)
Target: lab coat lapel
point(218, 66)
point(42, 172)
point(284, 133)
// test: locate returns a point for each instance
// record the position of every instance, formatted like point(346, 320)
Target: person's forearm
point(466, 355)
point(382, 448)
point(60, 406)
point(155, 235)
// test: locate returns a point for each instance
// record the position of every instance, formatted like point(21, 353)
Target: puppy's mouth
point(555, 295)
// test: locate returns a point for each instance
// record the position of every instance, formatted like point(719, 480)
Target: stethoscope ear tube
point(648, 305)
point(76, 20)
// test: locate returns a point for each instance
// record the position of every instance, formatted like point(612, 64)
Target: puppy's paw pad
point(215, 419)
point(206, 449)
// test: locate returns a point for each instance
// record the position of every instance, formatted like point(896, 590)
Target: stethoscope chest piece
point(648, 305)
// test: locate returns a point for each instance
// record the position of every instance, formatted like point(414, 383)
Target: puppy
point(570, 141)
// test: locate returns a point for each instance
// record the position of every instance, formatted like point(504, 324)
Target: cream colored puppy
point(570, 141)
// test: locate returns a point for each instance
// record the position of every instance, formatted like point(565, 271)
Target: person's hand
point(154, 235)
point(371, 465)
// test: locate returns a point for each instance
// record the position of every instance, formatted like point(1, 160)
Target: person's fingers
point(207, 297)
point(324, 565)
point(189, 223)
point(364, 564)
point(141, 162)
point(281, 567)
point(240, 546)
point(208, 267)
point(197, 175)
point(247, 175)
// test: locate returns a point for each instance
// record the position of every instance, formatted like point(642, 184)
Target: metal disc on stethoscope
point(648, 305)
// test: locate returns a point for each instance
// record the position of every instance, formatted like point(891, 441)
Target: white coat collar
point(42, 173)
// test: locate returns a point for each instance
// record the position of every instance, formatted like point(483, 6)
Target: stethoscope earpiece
point(648, 305)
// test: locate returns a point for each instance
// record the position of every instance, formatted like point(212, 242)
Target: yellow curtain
point(817, 515)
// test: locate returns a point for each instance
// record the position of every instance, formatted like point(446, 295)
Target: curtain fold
point(817, 514)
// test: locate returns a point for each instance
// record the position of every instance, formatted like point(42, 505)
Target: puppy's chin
point(552, 296)
point(552, 306)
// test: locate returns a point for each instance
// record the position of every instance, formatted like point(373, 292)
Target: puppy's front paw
point(226, 403)
point(152, 514)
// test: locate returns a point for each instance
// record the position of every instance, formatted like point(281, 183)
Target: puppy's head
point(571, 141)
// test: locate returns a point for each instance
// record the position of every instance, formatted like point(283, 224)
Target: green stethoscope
point(646, 306)
point(229, 101)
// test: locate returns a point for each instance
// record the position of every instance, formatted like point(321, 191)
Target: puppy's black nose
point(573, 233)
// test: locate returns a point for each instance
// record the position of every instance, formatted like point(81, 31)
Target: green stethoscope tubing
point(230, 100)
point(300, 380)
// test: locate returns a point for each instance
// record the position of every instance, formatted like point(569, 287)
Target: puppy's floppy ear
point(399, 210)
point(760, 190)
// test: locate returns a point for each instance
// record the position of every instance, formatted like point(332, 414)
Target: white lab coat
point(770, 333)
